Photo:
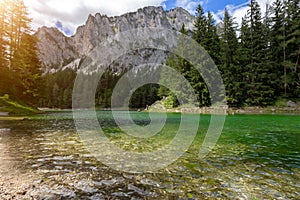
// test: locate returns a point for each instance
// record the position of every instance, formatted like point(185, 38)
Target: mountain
point(58, 52)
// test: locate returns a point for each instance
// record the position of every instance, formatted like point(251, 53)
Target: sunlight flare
point(2, 4)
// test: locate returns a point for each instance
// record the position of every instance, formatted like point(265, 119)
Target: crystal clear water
point(256, 157)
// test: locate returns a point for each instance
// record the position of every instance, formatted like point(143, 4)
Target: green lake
point(256, 157)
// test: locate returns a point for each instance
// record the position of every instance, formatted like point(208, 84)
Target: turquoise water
point(256, 157)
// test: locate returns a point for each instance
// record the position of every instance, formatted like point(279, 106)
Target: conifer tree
point(18, 52)
point(3, 25)
point(258, 85)
point(211, 39)
point(292, 47)
point(200, 26)
point(184, 68)
point(277, 42)
point(27, 68)
point(230, 70)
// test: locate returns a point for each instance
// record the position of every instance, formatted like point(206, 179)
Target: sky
point(67, 15)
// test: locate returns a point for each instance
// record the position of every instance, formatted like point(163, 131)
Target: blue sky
point(215, 5)
point(209, 5)
point(237, 8)
point(67, 15)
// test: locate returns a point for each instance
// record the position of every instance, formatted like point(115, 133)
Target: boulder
point(291, 104)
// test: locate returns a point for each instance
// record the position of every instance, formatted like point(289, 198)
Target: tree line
point(258, 67)
point(19, 64)
point(258, 61)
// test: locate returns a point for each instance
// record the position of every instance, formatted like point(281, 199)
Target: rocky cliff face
point(55, 49)
point(57, 52)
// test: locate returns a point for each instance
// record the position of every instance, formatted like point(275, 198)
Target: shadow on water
point(257, 157)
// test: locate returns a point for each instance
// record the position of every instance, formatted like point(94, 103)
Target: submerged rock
point(97, 197)
point(85, 187)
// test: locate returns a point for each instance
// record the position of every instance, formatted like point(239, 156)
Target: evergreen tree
point(292, 47)
point(55, 96)
point(211, 40)
point(143, 96)
point(190, 73)
point(270, 78)
point(230, 70)
point(3, 26)
point(257, 73)
point(205, 34)
point(200, 26)
point(27, 68)
point(243, 59)
point(229, 40)
point(3, 61)
point(18, 53)
point(277, 42)
point(19, 26)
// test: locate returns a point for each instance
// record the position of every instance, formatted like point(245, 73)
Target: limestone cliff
point(57, 51)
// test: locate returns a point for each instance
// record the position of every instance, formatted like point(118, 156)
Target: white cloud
point(239, 11)
point(189, 5)
point(73, 13)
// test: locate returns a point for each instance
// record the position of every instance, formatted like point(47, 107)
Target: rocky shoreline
point(289, 109)
point(24, 185)
point(17, 185)
point(232, 111)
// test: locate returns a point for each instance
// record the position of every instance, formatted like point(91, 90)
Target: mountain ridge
point(57, 51)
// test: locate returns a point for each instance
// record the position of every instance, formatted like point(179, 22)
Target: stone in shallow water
point(62, 158)
point(56, 192)
point(85, 187)
point(109, 182)
point(120, 194)
point(139, 190)
point(3, 113)
point(97, 197)
point(149, 182)
point(63, 192)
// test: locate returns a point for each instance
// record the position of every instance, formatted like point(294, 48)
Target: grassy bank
point(10, 107)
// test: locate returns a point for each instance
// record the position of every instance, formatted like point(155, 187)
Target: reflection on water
point(257, 157)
